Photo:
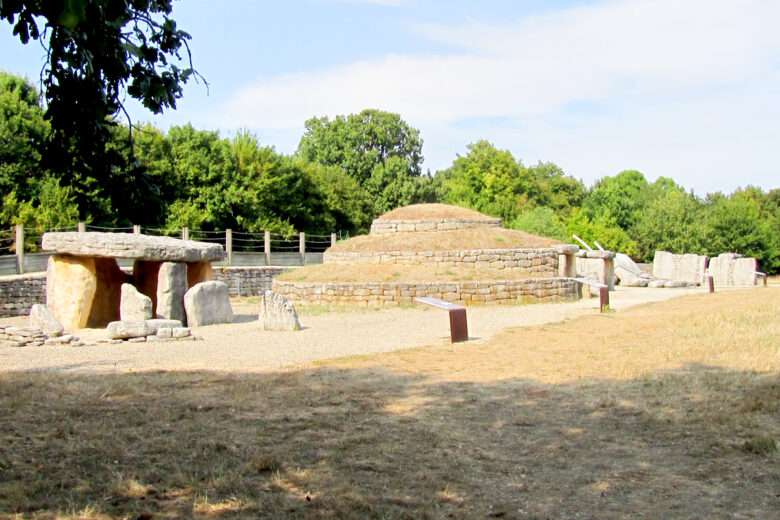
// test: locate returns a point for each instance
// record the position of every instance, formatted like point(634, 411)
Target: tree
point(603, 229)
point(96, 52)
point(379, 149)
point(542, 221)
point(486, 179)
point(621, 198)
point(670, 222)
point(23, 133)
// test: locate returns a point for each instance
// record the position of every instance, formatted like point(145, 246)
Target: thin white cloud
point(660, 55)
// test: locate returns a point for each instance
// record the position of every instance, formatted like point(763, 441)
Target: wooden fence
point(21, 252)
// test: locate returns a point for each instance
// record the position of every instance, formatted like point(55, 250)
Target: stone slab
point(688, 268)
point(733, 270)
point(127, 245)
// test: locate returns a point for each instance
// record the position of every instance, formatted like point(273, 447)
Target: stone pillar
point(332, 239)
point(185, 233)
point(302, 247)
point(608, 272)
point(171, 286)
point(267, 247)
point(136, 229)
point(82, 227)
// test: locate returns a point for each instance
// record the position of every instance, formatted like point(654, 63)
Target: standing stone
point(134, 305)
point(42, 318)
point(208, 303)
point(278, 313)
point(731, 269)
point(71, 284)
point(171, 286)
point(688, 268)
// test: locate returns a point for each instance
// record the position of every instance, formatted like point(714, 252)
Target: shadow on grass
point(370, 443)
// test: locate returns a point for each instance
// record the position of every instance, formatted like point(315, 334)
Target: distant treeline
point(346, 171)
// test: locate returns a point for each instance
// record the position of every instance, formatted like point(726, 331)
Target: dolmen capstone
point(84, 281)
point(278, 313)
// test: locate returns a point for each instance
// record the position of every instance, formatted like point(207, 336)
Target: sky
point(683, 89)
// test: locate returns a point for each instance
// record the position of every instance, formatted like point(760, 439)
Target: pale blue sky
point(687, 89)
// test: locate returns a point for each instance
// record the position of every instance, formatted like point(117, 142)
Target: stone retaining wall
point(248, 281)
point(20, 292)
point(380, 226)
point(542, 262)
point(532, 290)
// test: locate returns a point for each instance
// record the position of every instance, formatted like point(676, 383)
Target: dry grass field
point(354, 273)
point(668, 410)
point(457, 239)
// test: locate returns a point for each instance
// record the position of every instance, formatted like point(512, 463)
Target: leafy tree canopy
point(96, 51)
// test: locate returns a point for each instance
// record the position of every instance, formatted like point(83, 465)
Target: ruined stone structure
point(84, 281)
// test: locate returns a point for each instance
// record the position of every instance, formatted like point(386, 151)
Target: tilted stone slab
point(278, 313)
point(127, 245)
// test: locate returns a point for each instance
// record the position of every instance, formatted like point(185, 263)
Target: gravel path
point(244, 347)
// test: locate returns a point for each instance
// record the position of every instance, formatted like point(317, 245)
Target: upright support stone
point(136, 229)
point(332, 239)
point(267, 247)
point(185, 233)
point(82, 227)
point(229, 245)
point(19, 247)
point(171, 286)
point(302, 247)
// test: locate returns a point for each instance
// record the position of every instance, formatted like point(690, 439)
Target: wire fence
point(243, 248)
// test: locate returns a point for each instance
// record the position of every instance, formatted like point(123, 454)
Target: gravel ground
point(243, 346)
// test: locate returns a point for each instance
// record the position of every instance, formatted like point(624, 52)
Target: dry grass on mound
point(431, 212)
point(671, 410)
point(458, 239)
point(339, 273)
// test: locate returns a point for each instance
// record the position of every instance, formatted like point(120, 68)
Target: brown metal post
point(766, 281)
point(459, 328)
point(604, 298)
point(710, 283)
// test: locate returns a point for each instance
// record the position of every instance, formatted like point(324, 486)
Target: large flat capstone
point(127, 245)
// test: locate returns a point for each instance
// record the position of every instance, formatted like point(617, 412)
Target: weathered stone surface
point(180, 332)
point(731, 269)
point(674, 284)
point(278, 313)
point(71, 283)
point(126, 245)
point(134, 306)
point(128, 329)
point(171, 286)
point(164, 332)
point(159, 323)
point(208, 303)
point(42, 318)
point(108, 292)
point(679, 268)
point(657, 284)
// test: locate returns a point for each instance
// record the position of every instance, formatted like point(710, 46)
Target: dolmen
point(85, 286)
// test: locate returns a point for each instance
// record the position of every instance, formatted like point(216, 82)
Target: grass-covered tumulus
point(455, 240)
point(669, 410)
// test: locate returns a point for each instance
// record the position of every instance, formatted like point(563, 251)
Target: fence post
point(136, 229)
point(82, 227)
point(267, 247)
point(302, 247)
point(19, 246)
point(332, 239)
point(185, 233)
point(229, 245)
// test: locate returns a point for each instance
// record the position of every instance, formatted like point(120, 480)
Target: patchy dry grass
point(432, 211)
point(669, 410)
point(455, 240)
point(353, 273)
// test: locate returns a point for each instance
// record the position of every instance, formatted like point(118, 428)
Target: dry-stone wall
point(18, 293)
point(532, 290)
point(248, 281)
point(542, 262)
point(380, 226)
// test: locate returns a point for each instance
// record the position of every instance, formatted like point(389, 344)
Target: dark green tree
point(96, 52)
